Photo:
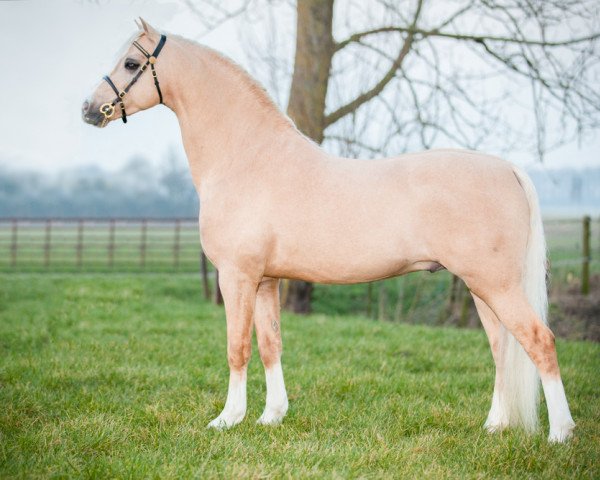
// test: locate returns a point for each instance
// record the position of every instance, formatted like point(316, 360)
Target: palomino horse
point(274, 205)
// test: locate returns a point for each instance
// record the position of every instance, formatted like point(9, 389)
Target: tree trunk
point(306, 107)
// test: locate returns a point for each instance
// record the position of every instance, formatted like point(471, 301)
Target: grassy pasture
point(116, 377)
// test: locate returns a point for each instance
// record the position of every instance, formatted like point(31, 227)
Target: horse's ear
point(148, 29)
point(139, 25)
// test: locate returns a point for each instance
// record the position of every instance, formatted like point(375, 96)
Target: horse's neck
point(228, 123)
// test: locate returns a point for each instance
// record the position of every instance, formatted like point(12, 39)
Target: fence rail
point(85, 244)
point(173, 245)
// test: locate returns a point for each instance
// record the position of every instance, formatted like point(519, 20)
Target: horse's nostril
point(86, 106)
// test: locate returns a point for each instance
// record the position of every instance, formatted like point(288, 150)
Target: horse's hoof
point(225, 421)
point(495, 426)
point(273, 415)
point(561, 434)
point(270, 418)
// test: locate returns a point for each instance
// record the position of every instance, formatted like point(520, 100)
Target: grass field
point(116, 377)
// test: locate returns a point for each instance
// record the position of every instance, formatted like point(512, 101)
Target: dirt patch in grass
point(573, 315)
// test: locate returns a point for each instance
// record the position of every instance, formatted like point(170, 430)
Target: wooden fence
point(103, 245)
point(173, 245)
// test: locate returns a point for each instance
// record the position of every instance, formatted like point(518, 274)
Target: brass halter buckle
point(107, 110)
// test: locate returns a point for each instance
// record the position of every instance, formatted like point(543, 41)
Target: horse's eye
point(131, 66)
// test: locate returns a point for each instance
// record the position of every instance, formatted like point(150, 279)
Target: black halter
point(108, 109)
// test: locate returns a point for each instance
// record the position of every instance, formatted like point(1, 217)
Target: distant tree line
point(138, 189)
point(568, 187)
point(143, 189)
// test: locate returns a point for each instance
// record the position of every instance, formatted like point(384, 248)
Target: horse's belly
point(340, 258)
point(335, 272)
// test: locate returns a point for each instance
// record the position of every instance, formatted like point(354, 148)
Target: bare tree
point(383, 77)
point(213, 13)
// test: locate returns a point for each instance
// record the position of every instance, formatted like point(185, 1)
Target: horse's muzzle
point(91, 114)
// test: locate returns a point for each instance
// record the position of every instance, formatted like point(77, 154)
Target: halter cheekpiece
point(108, 109)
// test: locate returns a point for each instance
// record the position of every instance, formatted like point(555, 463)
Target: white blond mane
point(243, 78)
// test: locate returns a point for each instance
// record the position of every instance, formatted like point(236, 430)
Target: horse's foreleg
point(239, 296)
point(268, 333)
point(498, 416)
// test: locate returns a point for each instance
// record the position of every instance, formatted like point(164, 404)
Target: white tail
point(520, 382)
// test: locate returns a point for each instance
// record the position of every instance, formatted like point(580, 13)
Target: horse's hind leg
point(498, 416)
point(268, 334)
point(516, 314)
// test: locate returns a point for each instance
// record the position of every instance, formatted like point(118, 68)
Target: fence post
point(111, 242)
point(79, 246)
point(585, 266)
point(47, 243)
point(204, 270)
point(14, 243)
point(176, 243)
point(143, 236)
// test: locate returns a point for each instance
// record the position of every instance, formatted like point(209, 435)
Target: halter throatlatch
point(108, 109)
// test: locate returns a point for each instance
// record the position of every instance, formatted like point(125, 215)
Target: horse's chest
point(227, 234)
point(211, 231)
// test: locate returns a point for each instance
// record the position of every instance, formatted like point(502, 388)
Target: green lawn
point(117, 376)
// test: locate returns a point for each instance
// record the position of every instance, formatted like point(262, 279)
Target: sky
point(55, 53)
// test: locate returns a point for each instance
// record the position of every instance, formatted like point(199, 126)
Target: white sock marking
point(559, 416)
point(497, 419)
point(277, 401)
point(235, 405)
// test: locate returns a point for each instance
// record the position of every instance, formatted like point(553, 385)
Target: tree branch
point(456, 36)
point(379, 86)
point(204, 15)
point(353, 141)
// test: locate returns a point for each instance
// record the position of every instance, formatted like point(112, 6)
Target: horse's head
point(129, 87)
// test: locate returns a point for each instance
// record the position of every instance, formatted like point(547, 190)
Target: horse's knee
point(238, 354)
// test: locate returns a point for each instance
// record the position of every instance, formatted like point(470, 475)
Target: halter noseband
point(108, 109)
